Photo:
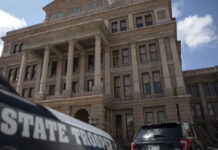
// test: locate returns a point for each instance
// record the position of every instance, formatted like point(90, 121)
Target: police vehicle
point(28, 126)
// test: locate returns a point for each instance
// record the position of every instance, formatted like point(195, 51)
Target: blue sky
point(197, 26)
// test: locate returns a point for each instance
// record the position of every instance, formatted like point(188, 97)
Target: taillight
point(132, 146)
point(185, 144)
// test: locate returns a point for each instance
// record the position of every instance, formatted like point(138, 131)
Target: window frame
point(157, 82)
point(117, 87)
point(144, 84)
point(118, 22)
point(126, 57)
point(127, 86)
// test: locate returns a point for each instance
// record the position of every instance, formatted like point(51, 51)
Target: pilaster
point(135, 72)
point(168, 91)
point(131, 22)
point(177, 66)
point(203, 100)
point(82, 72)
point(138, 117)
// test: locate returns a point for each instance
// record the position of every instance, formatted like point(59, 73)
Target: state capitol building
point(115, 64)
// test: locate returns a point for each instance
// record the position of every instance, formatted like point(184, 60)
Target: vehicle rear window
point(169, 131)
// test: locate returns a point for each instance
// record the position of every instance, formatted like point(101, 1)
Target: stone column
point(44, 72)
point(135, 72)
point(59, 73)
point(39, 72)
point(107, 72)
point(168, 91)
point(131, 22)
point(82, 72)
point(97, 62)
point(177, 66)
point(203, 101)
point(22, 73)
point(70, 68)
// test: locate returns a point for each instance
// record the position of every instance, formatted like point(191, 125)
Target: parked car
point(27, 126)
point(166, 136)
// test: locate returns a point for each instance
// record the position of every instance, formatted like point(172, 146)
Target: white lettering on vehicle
point(48, 130)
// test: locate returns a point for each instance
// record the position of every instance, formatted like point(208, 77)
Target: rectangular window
point(16, 75)
point(79, 9)
point(119, 133)
point(148, 20)
point(21, 47)
point(114, 27)
point(153, 52)
point(25, 93)
point(210, 109)
point(139, 22)
point(129, 125)
point(146, 84)
point(188, 89)
point(28, 73)
point(206, 89)
point(16, 49)
point(213, 89)
point(90, 62)
point(123, 25)
point(76, 64)
point(161, 117)
point(60, 15)
point(126, 59)
point(149, 117)
point(127, 86)
point(100, 4)
point(51, 90)
point(157, 82)
point(116, 58)
point(10, 76)
point(34, 72)
point(143, 54)
point(195, 90)
point(117, 93)
point(90, 85)
point(75, 87)
point(91, 6)
point(198, 111)
point(31, 92)
point(54, 68)
point(71, 11)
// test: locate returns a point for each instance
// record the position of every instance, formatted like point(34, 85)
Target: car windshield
point(169, 131)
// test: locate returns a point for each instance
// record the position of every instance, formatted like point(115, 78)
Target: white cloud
point(176, 8)
point(9, 22)
point(195, 31)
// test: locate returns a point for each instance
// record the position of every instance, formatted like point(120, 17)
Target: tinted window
point(172, 131)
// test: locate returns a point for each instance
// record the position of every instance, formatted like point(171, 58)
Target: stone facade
point(202, 85)
point(114, 64)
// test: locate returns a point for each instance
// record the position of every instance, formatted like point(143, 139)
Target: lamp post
point(93, 120)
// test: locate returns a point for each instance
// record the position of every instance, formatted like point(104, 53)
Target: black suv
point(167, 136)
